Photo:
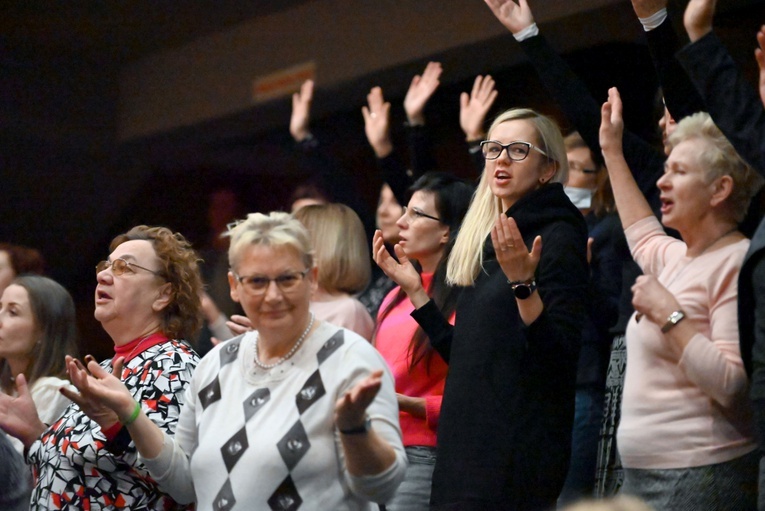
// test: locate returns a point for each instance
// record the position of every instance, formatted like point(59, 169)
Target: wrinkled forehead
point(138, 251)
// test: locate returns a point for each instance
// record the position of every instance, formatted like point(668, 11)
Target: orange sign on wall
point(282, 83)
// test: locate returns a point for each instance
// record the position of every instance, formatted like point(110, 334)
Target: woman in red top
point(427, 229)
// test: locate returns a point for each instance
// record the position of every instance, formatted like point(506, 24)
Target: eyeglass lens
point(517, 151)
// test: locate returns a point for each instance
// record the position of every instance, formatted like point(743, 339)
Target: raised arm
point(680, 96)
point(301, 112)
point(420, 91)
point(630, 202)
point(473, 110)
point(377, 128)
point(573, 96)
point(730, 99)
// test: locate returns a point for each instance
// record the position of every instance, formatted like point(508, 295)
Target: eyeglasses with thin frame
point(577, 167)
point(120, 266)
point(258, 284)
point(517, 151)
point(413, 214)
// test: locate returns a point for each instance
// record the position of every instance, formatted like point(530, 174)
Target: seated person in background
point(296, 412)
point(37, 329)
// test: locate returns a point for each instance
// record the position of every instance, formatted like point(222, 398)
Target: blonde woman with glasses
point(505, 428)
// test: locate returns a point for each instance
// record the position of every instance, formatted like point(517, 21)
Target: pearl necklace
point(289, 353)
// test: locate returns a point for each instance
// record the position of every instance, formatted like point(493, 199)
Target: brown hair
point(24, 259)
point(55, 327)
point(180, 267)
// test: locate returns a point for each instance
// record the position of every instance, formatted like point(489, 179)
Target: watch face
point(522, 291)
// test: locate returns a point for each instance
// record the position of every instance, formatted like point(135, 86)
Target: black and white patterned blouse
point(77, 468)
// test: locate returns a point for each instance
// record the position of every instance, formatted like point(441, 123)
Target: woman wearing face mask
point(37, 329)
point(427, 230)
point(589, 189)
point(504, 436)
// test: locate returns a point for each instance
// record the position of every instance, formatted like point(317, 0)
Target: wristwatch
point(358, 430)
point(522, 289)
point(673, 319)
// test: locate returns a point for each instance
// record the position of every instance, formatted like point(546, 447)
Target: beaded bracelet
point(134, 415)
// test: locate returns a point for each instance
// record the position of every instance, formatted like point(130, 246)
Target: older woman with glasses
point(504, 433)
point(295, 412)
point(147, 300)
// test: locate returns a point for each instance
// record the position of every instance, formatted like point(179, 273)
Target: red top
point(392, 340)
point(132, 349)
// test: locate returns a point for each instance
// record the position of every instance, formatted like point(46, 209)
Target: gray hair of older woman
point(718, 158)
point(276, 229)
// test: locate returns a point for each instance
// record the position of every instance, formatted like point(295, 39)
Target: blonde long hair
point(466, 259)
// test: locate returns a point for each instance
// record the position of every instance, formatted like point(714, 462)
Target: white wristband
point(527, 32)
point(654, 20)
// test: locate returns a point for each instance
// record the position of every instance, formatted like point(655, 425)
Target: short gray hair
point(275, 229)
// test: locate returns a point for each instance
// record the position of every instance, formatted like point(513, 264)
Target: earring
point(541, 180)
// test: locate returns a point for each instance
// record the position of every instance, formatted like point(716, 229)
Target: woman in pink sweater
point(685, 437)
point(427, 228)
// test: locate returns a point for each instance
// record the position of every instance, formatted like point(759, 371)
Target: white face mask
point(581, 197)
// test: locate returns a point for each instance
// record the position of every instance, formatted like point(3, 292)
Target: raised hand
point(239, 324)
point(351, 408)
point(102, 396)
point(611, 124)
point(420, 91)
point(401, 272)
point(516, 262)
point(301, 111)
point(646, 8)
point(377, 122)
point(698, 18)
point(475, 106)
point(18, 415)
point(759, 54)
point(515, 17)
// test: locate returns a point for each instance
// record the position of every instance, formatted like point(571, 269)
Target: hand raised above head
point(611, 124)
point(514, 16)
point(301, 111)
point(420, 90)
point(698, 18)
point(647, 8)
point(475, 106)
point(377, 122)
point(759, 54)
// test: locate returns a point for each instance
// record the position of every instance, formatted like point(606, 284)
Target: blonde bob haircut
point(718, 158)
point(466, 258)
point(276, 229)
point(340, 243)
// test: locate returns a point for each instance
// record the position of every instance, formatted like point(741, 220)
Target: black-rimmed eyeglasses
point(517, 150)
point(413, 214)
